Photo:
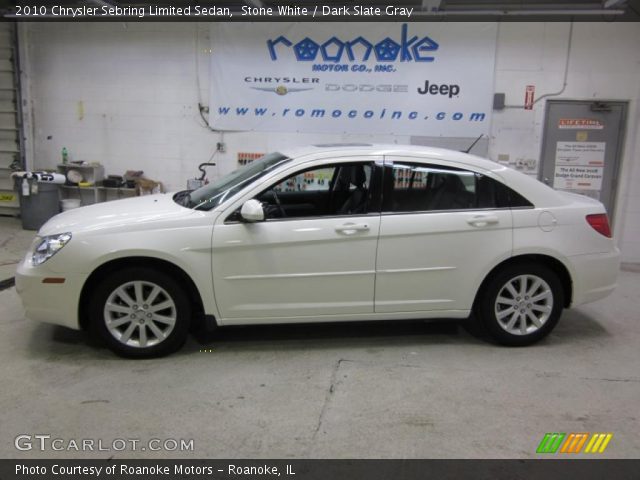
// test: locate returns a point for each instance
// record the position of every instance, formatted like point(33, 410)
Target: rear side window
point(493, 194)
point(423, 188)
point(506, 197)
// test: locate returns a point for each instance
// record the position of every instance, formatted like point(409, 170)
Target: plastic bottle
point(26, 191)
point(65, 155)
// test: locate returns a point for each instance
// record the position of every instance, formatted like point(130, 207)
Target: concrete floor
point(403, 390)
point(14, 242)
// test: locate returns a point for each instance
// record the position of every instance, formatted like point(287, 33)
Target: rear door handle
point(351, 228)
point(482, 220)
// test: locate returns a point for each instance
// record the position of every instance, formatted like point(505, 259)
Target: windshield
point(216, 192)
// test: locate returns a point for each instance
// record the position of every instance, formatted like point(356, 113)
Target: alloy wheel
point(140, 314)
point(524, 304)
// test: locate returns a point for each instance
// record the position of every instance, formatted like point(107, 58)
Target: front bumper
point(595, 276)
point(49, 302)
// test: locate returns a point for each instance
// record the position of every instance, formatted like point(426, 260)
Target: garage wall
point(126, 95)
point(121, 94)
point(604, 64)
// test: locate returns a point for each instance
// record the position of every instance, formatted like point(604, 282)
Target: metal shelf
point(77, 165)
point(98, 187)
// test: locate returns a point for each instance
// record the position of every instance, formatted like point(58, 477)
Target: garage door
point(10, 158)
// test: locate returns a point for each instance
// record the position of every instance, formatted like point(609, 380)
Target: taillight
point(600, 223)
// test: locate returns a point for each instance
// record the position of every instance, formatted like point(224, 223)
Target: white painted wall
point(136, 85)
point(604, 64)
point(139, 87)
point(139, 91)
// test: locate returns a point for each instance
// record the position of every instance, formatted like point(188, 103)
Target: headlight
point(47, 247)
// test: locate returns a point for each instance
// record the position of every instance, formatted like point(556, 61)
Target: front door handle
point(351, 228)
point(482, 220)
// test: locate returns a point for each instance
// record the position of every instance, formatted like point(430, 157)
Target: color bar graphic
point(598, 442)
point(573, 442)
point(550, 442)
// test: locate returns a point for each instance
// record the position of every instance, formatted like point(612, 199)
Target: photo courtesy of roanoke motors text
point(311, 240)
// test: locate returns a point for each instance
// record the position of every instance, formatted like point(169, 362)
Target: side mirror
point(252, 211)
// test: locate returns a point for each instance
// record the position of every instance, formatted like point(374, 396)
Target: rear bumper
point(49, 302)
point(595, 276)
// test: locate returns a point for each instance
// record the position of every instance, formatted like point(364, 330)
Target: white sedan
point(323, 234)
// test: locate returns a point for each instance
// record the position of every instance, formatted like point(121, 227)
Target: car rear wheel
point(521, 304)
point(140, 312)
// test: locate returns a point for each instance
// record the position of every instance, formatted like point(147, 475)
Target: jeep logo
point(435, 89)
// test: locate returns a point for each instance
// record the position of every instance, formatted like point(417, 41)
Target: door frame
point(256, 188)
point(619, 154)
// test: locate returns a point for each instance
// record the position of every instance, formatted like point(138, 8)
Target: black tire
point(149, 336)
point(496, 316)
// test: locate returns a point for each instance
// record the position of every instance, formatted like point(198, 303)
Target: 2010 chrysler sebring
point(325, 233)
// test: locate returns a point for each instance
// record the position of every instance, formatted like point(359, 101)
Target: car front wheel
point(521, 304)
point(140, 312)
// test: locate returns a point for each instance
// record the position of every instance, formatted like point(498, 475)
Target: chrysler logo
point(281, 89)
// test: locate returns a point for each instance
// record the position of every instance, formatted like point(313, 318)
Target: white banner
point(428, 79)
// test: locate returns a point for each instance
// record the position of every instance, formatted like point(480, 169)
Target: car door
point(440, 232)
point(314, 255)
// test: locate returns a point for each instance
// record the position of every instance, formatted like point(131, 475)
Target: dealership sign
point(404, 79)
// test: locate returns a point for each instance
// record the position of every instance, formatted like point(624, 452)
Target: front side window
point(328, 190)
point(423, 188)
point(312, 180)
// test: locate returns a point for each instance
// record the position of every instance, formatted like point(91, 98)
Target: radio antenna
point(473, 144)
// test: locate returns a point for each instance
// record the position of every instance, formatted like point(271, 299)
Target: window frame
point(387, 190)
point(375, 162)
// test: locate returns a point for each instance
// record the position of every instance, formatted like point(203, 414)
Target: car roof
point(417, 151)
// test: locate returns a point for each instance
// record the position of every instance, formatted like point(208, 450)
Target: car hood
point(127, 214)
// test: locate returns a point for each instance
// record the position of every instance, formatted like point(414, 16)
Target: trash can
point(40, 204)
